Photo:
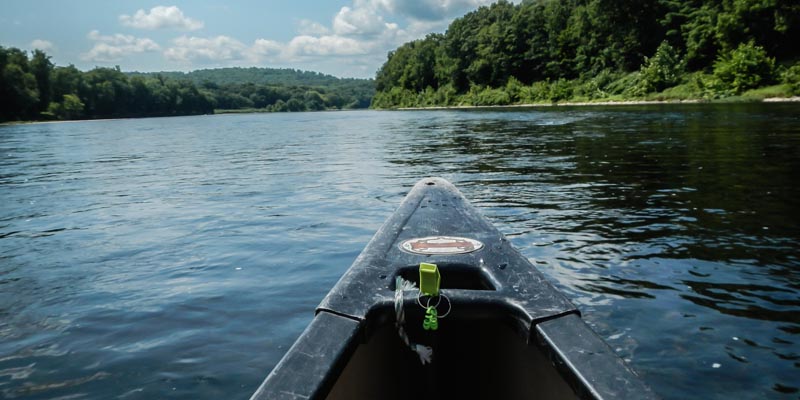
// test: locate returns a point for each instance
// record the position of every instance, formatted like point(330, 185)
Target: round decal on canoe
point(441, 245)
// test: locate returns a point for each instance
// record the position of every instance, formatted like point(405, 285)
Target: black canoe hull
point(510, 334)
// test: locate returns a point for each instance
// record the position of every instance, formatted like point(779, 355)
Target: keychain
point(431, 321)
point(429, 280)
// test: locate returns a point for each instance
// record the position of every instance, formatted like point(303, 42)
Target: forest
point(265, 76)
point(548, 51)
point(273, 89)
point(33, 88)
point(538, 51)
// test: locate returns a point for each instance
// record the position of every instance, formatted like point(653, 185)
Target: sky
point(344, 38)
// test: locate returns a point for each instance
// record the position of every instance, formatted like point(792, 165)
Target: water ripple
point(180, 257)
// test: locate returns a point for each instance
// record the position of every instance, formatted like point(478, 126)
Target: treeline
point(262, 76)
point(271, 89)
point(552, 50)
point(33, 88)
point(277, 98)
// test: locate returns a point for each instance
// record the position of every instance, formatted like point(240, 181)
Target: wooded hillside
point(276, 89)
point(551, 50)
point(33, 88)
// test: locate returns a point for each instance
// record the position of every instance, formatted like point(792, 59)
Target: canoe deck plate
point(441, 245)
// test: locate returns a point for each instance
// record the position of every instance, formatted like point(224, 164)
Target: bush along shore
point(599, 51)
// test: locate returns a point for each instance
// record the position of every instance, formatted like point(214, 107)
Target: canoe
point(501, 330)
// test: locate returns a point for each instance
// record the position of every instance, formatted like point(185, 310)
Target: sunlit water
point(180, 257)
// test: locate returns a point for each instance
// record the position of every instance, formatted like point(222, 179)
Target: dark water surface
point(180, 257)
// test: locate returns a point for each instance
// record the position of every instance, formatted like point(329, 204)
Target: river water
point(181, 257)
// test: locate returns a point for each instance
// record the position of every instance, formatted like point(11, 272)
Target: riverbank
point(63, 121)
point(216, 112)
point(607, 103)
point(794, 99)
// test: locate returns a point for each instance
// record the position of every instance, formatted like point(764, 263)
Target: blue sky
point(346, 38)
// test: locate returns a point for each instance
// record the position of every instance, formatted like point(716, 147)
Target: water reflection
point(181, 257)
point(689, 208)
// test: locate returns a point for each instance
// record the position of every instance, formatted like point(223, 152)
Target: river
point(181, 257)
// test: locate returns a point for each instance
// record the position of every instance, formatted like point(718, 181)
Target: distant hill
point(33, 88)
point(273, 89)
point(259, 76)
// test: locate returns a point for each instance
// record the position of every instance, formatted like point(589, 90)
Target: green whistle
point(431, 321)
point(429, 279)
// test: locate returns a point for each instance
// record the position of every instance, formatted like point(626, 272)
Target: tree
point(42, 69)
point(479, 43)
point(661, 71)
point(65, 80)
point(295, 104)
point(34, 88)
point(745, 67)
point(18, 93)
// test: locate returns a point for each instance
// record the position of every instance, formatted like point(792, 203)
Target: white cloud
point(360, 21)
point(428, 10)
point(263, 48)
point(354, 43)
point(312, 28)
point(371, 28)
point(108, 48)
point(161, 17)
point(330, 45)
point(226, 50)
point(204, 50)
point(41, 44)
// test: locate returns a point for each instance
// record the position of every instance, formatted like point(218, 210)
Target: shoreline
point(793, 99)
point(58, 121)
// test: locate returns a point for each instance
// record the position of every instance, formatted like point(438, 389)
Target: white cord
point(425, 353)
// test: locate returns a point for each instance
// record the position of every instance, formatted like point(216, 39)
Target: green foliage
point(514, 89)
point(709, 86)
point(41, 67)
point(446, 95)
point(19, 92)
point(596, 86)
point(33, 88)
point(663, 70)
point(745, 67)
point(764, 92)
point(553, 50)
point(486, 96)
point(791, 78)
point(412, 65)
point(71, 107)
point(262, 88)
point(280, 106)
point(537, 92)
point(258, 76)
point(294, 104)
point(561, 90)
point(623, 84)
point(698, 36)
point(395, 97)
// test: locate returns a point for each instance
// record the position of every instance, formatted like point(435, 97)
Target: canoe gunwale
point(497, 284)
point(435, 207)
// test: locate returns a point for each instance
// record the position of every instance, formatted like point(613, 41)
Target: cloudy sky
point(346, 38)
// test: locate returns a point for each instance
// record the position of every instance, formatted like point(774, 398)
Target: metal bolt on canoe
point(509, 333)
